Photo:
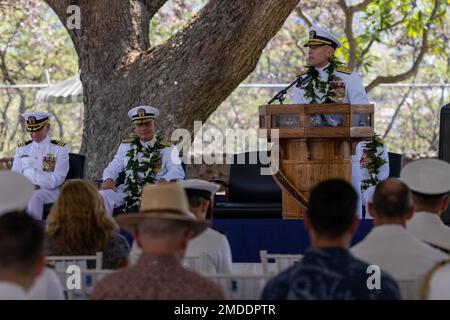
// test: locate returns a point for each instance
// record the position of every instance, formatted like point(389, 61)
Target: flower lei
point(146, 164)
point(372, 161)
point(322, 86)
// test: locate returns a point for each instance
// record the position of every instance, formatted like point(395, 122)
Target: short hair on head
point(332, 207)
point(428, 201)
point(392, 198)
point(21, 242)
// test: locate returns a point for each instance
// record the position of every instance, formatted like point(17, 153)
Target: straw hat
point(164, 202)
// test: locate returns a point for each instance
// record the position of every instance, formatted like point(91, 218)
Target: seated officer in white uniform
point(143, 158)
point(210, 242)
point(43, 161)
point(429, 180)
point(389, 245)
point(332, 82)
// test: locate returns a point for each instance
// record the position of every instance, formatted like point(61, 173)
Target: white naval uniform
point(397, 252)
point(360, 173)
point(354, 89)
point(11, 291)
point(216, 248)
point(170, 170)
point(439, 287)
point(46, 286)
point(29, 161)
point(429, 228)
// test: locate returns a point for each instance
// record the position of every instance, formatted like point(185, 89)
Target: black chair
point(395, 164)
point(249, 194)
point(76, 171)
point(76, 166)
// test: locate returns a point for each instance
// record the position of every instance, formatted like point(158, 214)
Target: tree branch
point(215, 67)
point(153, 6)
point(415, 66)
point(348, 29)
point(397, 111)
point(302, 15)
point(360, 6)
point(124, 23)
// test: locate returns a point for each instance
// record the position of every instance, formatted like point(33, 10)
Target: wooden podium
point(314, 148)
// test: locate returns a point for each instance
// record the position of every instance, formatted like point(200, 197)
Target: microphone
point(309, 76)
point(280, 96)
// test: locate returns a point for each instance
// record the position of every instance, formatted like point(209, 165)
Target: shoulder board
point(129, 139)
point(24, 143)
point(58, 142)
point(344, 69)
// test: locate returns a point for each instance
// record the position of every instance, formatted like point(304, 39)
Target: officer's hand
point(108, 184)
point(162, 180)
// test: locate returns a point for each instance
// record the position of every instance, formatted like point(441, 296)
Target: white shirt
point(354, 89)
point(170, 170)
point(47, 286)
point(216, 248)
point(11, 291)
point(32, 160)
point(210, 243)
point(429, 227)
point(397, 252)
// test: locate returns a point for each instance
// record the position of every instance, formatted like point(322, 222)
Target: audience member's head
point(199, 194)
point(429, 181)
point(78, 221)
point(21, 249)
point(331, 216)
point(15, 191)
point(163, 225)
point(392, 202)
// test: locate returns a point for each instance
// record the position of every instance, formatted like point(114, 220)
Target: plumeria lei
point(143, 164)
point(323, 87)
point(372, 161)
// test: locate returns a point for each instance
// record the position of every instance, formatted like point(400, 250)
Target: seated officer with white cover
point(43, 161)
point(143, 158)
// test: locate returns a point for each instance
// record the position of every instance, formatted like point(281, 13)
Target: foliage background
point(388, 38)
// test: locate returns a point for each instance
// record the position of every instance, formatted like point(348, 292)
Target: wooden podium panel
point(308, 154)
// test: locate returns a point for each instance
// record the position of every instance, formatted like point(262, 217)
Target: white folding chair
point(63, 262)
point(88, 279)
point(274, 263)
point(241, 287)
point(193, 263)
point(196, 263)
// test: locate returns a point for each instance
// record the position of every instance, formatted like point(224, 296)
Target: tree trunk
point(186, 78)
